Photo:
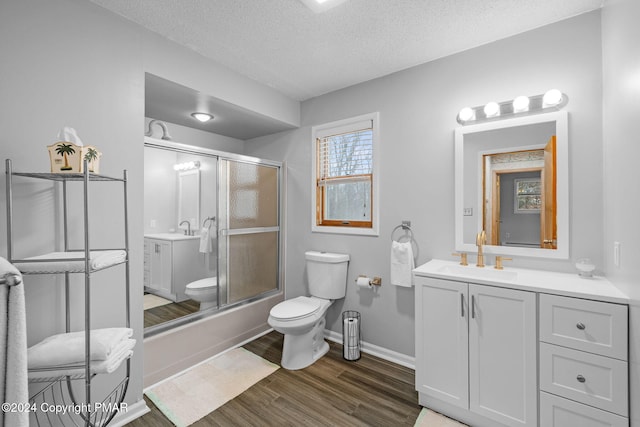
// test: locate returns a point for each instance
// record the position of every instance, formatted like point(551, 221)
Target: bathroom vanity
point(518, 347)
point(171, 261)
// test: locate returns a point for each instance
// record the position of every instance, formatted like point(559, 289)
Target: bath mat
point(152, 301)
point(429, 418)
point(205, 387)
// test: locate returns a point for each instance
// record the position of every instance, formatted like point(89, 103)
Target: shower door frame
point(223, 155)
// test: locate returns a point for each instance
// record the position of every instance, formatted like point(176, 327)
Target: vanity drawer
point(559, 412)
point(596, 327)
point(588, 378)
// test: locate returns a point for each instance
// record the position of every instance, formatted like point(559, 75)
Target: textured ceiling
point(303, 54)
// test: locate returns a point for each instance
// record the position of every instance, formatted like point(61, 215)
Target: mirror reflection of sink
point(487, 273)
point(170, 236)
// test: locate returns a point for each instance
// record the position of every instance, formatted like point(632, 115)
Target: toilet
point(205, 291)
point(302, 319)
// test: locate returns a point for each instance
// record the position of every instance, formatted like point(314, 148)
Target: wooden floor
point(331, 392)
point(164, 313)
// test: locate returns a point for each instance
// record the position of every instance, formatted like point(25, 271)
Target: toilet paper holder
point(376, 281)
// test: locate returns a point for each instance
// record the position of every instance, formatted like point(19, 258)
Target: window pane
point(347, 155)
point(348, 201)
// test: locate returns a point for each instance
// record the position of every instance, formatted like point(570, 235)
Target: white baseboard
point(134, 410)
point(374, 350)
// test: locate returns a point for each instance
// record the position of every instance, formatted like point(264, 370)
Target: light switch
point(616, 254)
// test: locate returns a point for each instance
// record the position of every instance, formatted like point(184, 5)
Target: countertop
point(566, 284)
point(170, 236)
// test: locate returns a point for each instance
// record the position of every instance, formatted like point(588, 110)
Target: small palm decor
point(92, 156)
point(65, 150)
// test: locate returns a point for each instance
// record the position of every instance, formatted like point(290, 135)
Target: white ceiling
point(303, 54)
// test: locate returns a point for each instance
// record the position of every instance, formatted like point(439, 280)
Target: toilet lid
point(203, 283)
point(295, 308)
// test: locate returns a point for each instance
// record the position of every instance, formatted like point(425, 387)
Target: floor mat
point(204, 388)
point(151, 301)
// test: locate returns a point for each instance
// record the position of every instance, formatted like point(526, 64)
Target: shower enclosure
point(234, 201)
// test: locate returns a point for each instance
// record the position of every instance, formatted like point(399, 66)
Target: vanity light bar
point(186, 166)
point(552, 100)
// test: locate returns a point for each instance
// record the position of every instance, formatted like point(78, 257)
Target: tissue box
point(67, 157)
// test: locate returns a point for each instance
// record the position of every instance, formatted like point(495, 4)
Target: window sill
point(357, 231)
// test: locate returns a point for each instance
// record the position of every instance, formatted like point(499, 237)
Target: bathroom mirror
point(511, 180)
point(189, 199)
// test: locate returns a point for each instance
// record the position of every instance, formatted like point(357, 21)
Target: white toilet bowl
point(205, 291)
point(302, 321)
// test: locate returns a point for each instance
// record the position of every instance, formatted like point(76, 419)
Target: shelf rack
point(87, 417)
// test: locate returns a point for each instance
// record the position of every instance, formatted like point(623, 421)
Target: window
point(344, 176)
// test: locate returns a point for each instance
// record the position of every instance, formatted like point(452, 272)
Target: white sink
point(487, 272)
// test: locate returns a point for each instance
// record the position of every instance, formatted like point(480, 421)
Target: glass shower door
point(249, 239)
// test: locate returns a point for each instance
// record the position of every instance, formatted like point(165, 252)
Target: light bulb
point(552, 98)
point(520, 104)
point(466, 114)
point(492, 109)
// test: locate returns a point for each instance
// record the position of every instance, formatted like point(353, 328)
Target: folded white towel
point(62, 263)
point(64, 349)
point(13, 348)
point(122, 352)
point(206, 243)
point(401, 263)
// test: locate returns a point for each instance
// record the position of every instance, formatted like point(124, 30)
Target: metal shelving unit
point(54, 387)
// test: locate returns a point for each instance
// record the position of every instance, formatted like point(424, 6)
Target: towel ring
point(209, 218)
point(10, 280)
point(406, 226)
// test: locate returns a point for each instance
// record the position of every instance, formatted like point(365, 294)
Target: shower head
point(163, 126)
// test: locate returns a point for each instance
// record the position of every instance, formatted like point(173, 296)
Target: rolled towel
point(68, 348)
point(122, 352)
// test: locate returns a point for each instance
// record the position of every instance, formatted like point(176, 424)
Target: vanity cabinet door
point(160, 268)
point(502, 355)
point(442, 340)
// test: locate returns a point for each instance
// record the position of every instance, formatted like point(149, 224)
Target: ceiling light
point(186, 166)
point(319, 6)
point(202, 117)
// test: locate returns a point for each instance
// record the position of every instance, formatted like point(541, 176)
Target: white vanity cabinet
point(518, 347)
point(583, 362)
point(476, 349)
point(170, 263)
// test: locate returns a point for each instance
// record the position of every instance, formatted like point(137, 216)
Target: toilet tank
point(327, 274)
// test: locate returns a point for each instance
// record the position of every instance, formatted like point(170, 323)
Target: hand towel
point(13, 348)
point(401, 263)
point(206, 244)
point(99, 260)
point(64, 349)
point(122, 352)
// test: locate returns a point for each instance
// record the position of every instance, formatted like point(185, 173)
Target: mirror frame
point(562, 186)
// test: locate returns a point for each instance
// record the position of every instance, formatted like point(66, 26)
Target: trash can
point(351, 335)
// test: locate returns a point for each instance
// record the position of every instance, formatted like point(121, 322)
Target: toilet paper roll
point(363, 282)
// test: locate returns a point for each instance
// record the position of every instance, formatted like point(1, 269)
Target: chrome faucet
point(187, 232)
point(481, 239)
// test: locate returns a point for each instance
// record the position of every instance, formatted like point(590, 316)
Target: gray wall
point(417, 109)
point(621, 151)
point(72, 63)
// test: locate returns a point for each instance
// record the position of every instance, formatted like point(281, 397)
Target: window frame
point(317, 201)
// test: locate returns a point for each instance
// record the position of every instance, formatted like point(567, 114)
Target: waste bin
point(351, 335)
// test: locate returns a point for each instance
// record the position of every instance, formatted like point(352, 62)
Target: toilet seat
point(295, 309)
point(202, 285)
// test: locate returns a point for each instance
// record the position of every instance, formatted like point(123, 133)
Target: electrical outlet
point(152, 223)
point(616, 254)
point(467, 212)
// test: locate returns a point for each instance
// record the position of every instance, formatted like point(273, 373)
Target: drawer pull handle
point(581, 379)
point(580, 326)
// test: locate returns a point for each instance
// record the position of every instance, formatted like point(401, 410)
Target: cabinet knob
point(580, 326)
point(581, 379)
